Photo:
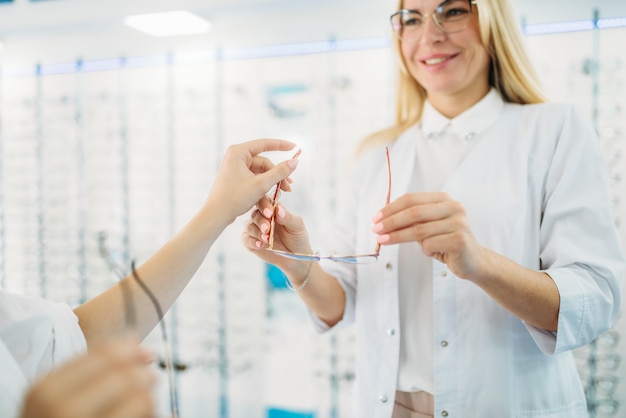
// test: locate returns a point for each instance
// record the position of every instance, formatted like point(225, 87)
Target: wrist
point(487, 267)
point(217, 213)
point(298, 285)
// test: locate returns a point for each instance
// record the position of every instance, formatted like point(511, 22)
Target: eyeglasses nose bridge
point(435, 19)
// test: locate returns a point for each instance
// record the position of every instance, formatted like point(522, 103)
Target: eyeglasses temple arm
point(270, 242)
point(388, 198)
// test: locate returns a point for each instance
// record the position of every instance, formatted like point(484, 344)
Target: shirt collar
point(468, 124)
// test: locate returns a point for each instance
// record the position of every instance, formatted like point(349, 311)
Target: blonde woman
point(499, 252)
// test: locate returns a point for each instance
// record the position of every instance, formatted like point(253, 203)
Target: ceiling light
point(174, 23)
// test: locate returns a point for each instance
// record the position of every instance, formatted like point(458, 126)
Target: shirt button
point(469, 136)
point(391, 331)
point(383, 399)
point(388, 266)
point(444, 413)
point(443, 273)
point(444, 343)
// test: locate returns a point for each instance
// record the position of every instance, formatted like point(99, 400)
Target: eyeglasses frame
point(472, 3)
point(333, 257)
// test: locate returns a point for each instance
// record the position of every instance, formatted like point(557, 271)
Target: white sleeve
point(580, 247)
point(13, 384)
point(343, 237)
point(35, 336)
point(340, 239)
point(39, 334)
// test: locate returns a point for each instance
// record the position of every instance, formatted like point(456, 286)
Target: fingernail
point(381, 239)
point(265, 228)
point(292, 163)
point(265, 237)
point(281, 212)
point(258, 244)
point(377, 217)
point(378, 227)
point(267, 213)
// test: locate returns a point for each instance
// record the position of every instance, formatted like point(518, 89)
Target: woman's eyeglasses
point(351, 258)
point(450, 16)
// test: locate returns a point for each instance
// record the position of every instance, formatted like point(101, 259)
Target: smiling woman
point(455, 72)
point(475, 303)
point(105, 128)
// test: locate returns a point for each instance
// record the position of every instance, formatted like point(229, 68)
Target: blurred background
point(110, 137)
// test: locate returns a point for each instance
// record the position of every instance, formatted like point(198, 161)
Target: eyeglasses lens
point(450, 17)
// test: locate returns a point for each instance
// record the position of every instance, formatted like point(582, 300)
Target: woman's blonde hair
point(510, 73)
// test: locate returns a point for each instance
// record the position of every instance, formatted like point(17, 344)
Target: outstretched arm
point(243, 178)
point(439, 224)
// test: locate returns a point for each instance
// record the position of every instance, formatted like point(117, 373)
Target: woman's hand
point(245, 176)
point(289, 235)
point(113, 380)
point(438, 224)
point(320, 291)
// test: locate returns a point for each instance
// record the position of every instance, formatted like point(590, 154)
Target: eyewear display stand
point(131, 145)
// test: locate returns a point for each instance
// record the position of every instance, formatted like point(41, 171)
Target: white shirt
point(535, 189)
point(35, 336)
point(440, 149)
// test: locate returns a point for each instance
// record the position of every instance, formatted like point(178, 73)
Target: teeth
point(434, 61)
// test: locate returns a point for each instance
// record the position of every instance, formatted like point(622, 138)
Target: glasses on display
point(131, 315)
point(605, 408)
point(450, 16)
point(610, 339)
point(347, 258)
point(606, 384)
point(607, 362)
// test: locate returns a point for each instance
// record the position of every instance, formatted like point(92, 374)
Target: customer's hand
point(439, 224)
point(244, 176)
point(112, 381)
